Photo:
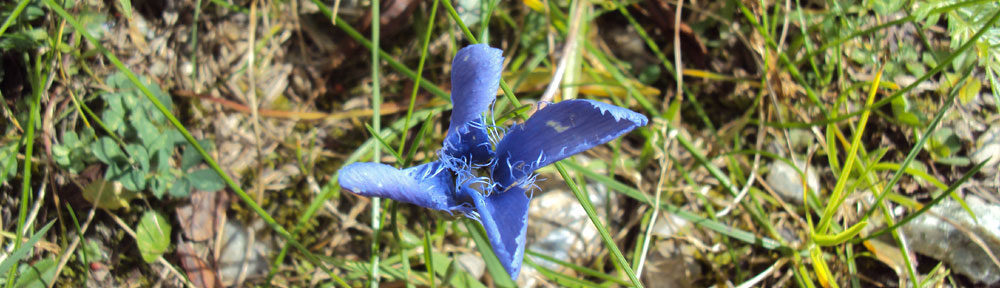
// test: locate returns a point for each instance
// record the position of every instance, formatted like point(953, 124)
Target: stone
point(472, 263)
point(239, 256)
point(561, 227)
point(988, 149)
point(670, 225)
point(786, 181)
point(671, 263)
point(934, 234)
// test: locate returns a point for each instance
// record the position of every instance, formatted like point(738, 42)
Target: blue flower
point(499, 202)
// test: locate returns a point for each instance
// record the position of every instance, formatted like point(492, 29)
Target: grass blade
point(933, 202)
point(493, 266)
point(28, 140)
point(187, 135)
point(21, 252)
point(377, 126)
point(609, 242)
point(838, 196)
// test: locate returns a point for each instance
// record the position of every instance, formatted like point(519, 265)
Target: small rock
point(988, 148)
point(786, 181)
point(671, 264)
point(563, 229)
point(187, 68)
point(930, 234)
point(670, 225)
point(238, 257)
point(530, 277)
point(472, 263)
point(158, 68)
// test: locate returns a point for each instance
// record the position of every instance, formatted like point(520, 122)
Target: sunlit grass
point(712, 169)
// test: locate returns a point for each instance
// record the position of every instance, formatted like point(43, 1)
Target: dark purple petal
point(556, 132)
point(429, 185)
point(505, 218)
point(475, 77)
point(469, 147)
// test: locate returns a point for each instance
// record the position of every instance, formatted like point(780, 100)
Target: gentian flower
point(500, 201)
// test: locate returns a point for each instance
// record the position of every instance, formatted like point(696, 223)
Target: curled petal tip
point(505, 218)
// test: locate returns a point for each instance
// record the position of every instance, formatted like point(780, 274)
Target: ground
point(198, 143)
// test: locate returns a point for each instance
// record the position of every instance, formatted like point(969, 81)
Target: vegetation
point(175, 142)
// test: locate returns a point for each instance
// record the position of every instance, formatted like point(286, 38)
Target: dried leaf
point(197, 218)
point(199, 271)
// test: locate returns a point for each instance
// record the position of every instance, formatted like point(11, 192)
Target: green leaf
point(903, 111)
point(970, 90)
point(94, 23)
point(129, 99)
point(106, 150)
point(135, 177)
point(70, 139)
point(38, 275)
point(161, 160)
point(107, 195)
point(114, 119)
point(160, 182)
point(8, 161)
point(61, 154)
point(118, 80)
point(126, 8)
point(181, 188)
point(32, 12)
point(22, 252)
point(145, 130)
point(206, 180)
point(159, 141)
point(191, 157)
point(886, 7)
point(152, 236)
point(944, 143)
point(954, 161)
point(176, 137)
point(130, 177)
point(164, 99)
point(140, 155)
point(23, 40)
point(89, 252)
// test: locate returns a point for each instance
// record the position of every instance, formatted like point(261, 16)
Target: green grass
point(836, 82)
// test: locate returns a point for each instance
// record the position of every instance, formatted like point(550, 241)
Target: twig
point(756, 164)
point(336, 10)
point(763, 274)
point(570, 46)
point(252, 97)
point(668, 137)
point(784, 26)
point(34, 209)
point(678, 64)
point(76, 241)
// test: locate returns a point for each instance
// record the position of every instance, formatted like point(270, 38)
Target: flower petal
point(429, 185)
point(505, 218)
point(469, 147)
point(556, 132)
point(475, 76)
